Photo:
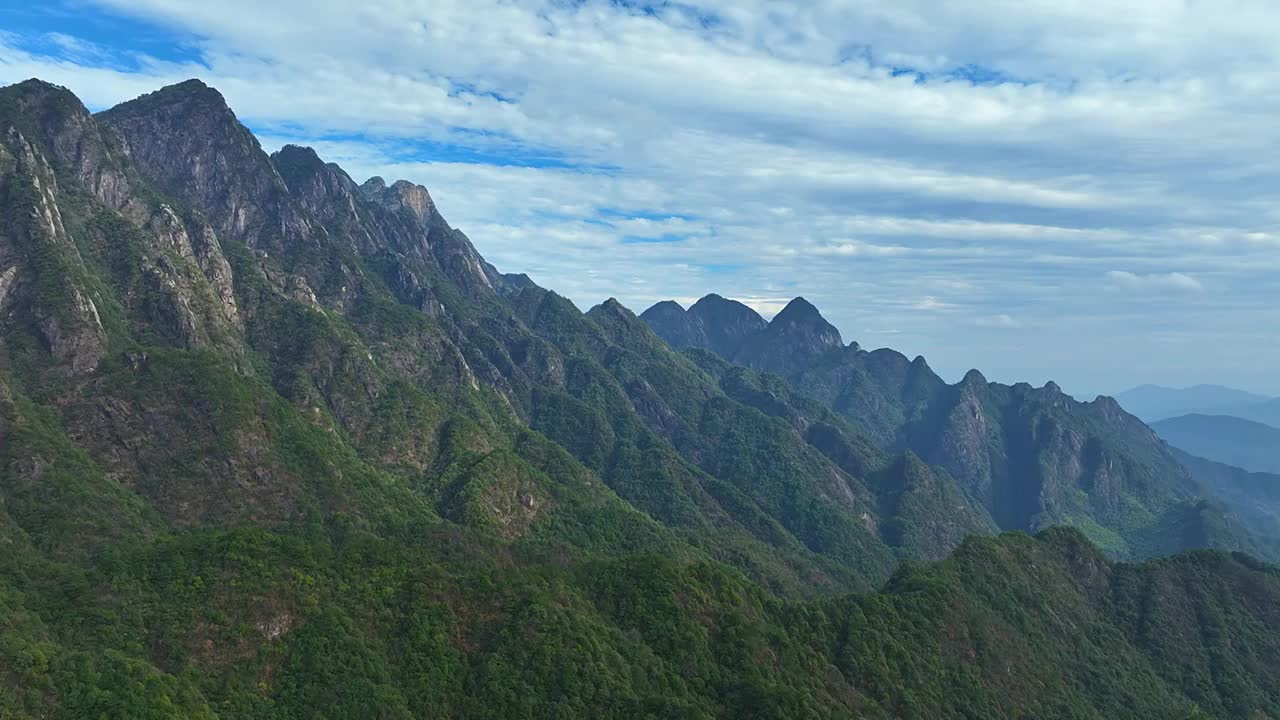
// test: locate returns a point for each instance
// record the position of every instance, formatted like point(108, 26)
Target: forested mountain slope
point(275, 443)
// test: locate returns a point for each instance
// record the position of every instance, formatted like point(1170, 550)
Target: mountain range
point(1267, 413)
point(1031, 457)
point(275, 443)
point(1225, 439)
point(1155, 402)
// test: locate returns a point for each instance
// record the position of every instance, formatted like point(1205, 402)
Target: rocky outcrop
point(450, 250)
point(186, 140)
point(45, 261)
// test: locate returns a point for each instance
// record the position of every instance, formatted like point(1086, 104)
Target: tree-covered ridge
point(430, 623)
point(273, 443)
point(1031, 457)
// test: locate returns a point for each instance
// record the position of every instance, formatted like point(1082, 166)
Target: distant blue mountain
point(1267, 413)
point(1254, 496)
point(1225, 439)
point(1153, 402)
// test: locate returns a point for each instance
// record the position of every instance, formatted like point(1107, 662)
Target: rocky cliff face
point(44, 276)
point(187, 141)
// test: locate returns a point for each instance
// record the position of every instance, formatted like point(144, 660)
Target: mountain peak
point(187, 141)
point(40, 110)
point(664, 307)
point(191, 96)
point(800, 313)
point(791, 341)
point(713, 308)
point(613, 312)
point(401, 195)
point(296, 163)
point(44, 108)
point(799, 310)
point(35, 89)
point(191, 85)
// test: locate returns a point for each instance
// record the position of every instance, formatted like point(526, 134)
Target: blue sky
point(1042, 189)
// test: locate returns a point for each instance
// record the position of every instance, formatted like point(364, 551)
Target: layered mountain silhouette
point(1253, 496)
point(1032, 457)
point(1235, 441)
point(274, 442)
point(1267, 413)
point(1154, 402)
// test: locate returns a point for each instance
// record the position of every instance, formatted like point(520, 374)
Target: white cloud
point(776, 141)
point(931, 303)
point(766, 306)
point(855, 247)
point(1002, 321)
point(1155, 282)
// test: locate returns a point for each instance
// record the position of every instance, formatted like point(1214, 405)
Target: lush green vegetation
point(251, 623)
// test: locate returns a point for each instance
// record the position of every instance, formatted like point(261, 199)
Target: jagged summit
point(50, 115)
point(797, 311)
point(667, 307)
point(35, 91)
point(402, 196)
point(797, 334)
point(733, 330)
point(713, 322)
point(33, 85)
point(297, 163)
point(614, 306)
point(710, 304)
point(190, 85)
point(800, 313)
point(185, 99)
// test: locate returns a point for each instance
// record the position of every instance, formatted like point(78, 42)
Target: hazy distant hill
point(1255, 496)
point(1153, 402)
point(1267, 413)
point(1235, 441)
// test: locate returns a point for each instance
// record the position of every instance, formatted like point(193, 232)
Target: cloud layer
point(1039, 189)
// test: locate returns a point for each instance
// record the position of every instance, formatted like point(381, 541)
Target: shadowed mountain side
point(1031, 457)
